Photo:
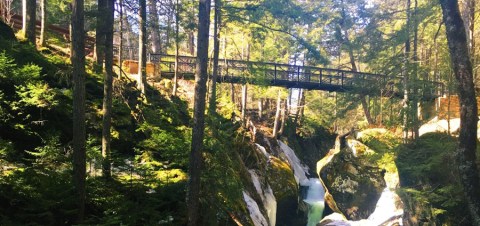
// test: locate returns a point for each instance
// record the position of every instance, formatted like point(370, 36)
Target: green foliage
point(27, 102)
point(380, 140)
point(427, 160)
point(223, 172)
point(32, 197)
point(35, 134)
point(115, 203)
point(7, 150)
point(428, 175)
point(51, 155)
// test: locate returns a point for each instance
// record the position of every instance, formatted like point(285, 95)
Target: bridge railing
point(301, 76)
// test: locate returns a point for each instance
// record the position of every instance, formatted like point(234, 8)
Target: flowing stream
point(315, 194)
point(316, 201)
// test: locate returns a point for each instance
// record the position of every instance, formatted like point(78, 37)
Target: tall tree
point(406, 80)
point(467, 141)
point(30, 21)
point(468, 15)
point(414, 104)
point(107, 89)
point(244, 103)
point(196, 159)
point(152, 6)
point(24, 16)
point(216, 51)
point(177, 47)
point(79, 134)
point(142, 47)
point(43, 13)
point(120, 32)
point(345, 24)
point(277, 116)
point(100, 35)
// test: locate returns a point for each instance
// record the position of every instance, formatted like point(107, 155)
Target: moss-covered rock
point(352, 178)
point(356, 186)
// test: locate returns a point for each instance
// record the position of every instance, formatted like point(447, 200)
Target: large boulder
point(353, 179)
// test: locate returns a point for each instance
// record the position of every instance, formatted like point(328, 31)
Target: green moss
point(281, 179)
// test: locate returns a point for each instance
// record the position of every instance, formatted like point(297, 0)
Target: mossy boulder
point(354, 181)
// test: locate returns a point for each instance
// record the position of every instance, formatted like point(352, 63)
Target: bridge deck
point(295, 76)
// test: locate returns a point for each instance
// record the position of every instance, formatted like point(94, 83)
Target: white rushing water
point(386, 208)
point(257, 216)
point(262, 150)
point(300, 171)
point(315, 200)
point(268, 199)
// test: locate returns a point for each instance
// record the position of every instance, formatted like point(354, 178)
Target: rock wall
point(454, 108)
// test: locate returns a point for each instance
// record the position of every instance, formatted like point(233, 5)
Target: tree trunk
point(277, 117)
point(100, 35)
point(406, 86)
point(244, 102)
point(24, 17)
point(196, 159)
point(155, 25)
point(107, 89)
point(216, 51)
point(31, 20)
point(415, 120)
point(260, 108)
point(120, 31)
point(43, 7)
point(302, 109)
point(142, 48)
point(232, 93)
point(297, 113)
point(128, 36)
point(284, 117)
point(79, 134)
point(363, 99)
point(191, 43)
point(467, 140)
point(177, 42)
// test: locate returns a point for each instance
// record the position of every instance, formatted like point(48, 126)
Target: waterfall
point(262, 150)
point(300, 171)
point(316, 192)
point(315, 200)
point(386, 208)
point(268, 199)
point(257, 217)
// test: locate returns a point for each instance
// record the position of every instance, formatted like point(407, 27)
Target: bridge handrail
point(268, 63)
point(298, 73)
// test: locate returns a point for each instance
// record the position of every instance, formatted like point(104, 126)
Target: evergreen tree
point(467, 145)
point(43, 12)
point(196, 159)
point(216, 52)
point(100, 29)
point(142, 47)
point(79, 134)
point(107, 89)
point(30, 21)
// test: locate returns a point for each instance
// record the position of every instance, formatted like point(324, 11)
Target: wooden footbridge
point(295, 76)
point(284, 75)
